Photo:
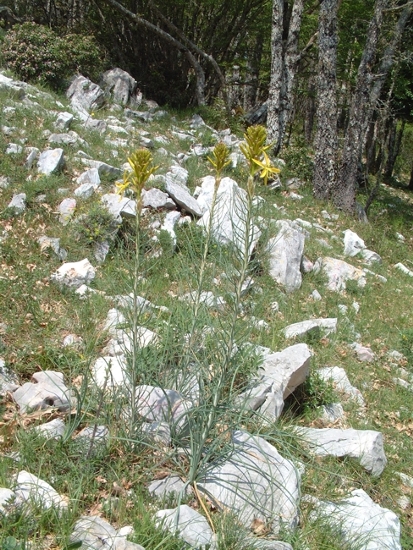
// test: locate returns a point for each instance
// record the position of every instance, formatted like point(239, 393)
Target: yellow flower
point(221, 158)
point(267, 167)
point(141, 163)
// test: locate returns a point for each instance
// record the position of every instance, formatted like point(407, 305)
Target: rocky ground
point(106, 431)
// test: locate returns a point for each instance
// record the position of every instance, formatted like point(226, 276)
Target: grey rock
point(110, 372)
point(353, 244)
point(100, 251)
point(95, 533)
point(33, 153)
point(371, 257)
point(170, 220)
point(98, 436)
point(332, 413)
point(119, 206)
point(66, 139)
point(285, 256)
point(74, 274)
point(47, 389)
point(341, 382)
point(7, 497)
point(167, 486)
point(182, 197)
point(316, 296)
point(8, 380)
point(189, 524)
point(18, 203)
point(228, 222)
point(207, 298)
point(338, 272)
point(14, 149)
point(51, 430)
point(363, 353)
point(361, 523)
point(158, 432)
point(85, 96)
point(32, 490)
point(406, 480)
point(122, 342)
point(364, 445)
point(155, 198)
point(95, 124)
point(85, 191)
point(144, 116)
point(4, 182)
point(161, 405)
point(66, 209)
point(262, 544)
point(63, 121)
point(71, 340)
point(50, 161)
point(280, 374)
point(90, 176)
point(302, 328)
point(255, 482)
point(17, 88)
point(103, 168)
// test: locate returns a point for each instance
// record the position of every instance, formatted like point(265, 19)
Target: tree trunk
point(410, 186)
point(395, 141)
point(325, 143)
point(365, 97)
point(253, 73)
point(284, 60)
point(273, 103)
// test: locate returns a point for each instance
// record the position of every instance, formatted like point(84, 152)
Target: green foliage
point(37, 54)
point(96, 226)
point(406, 345)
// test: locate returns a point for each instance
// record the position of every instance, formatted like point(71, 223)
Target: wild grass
point(37, 316)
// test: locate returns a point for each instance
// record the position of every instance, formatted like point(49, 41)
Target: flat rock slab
point(255, 482)
point(364, 445)
point(281, 373)
point(362, 523)
point(110, 372)
point(46, 390)
point(51, 430)
point(338, 272)
point(119, 206)
point(33, 490)
point(50, 161)
point(327, 326)
point(155, 198)
point(74, 274)
point(155, 404)
point(182, 197)
point(285, 255)
point(89, 176)
point(190, 525)
point(169, 485)
point(103, 168)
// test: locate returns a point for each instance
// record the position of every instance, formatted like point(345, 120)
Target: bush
point(36, 53)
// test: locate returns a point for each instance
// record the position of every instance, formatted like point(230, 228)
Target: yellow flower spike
point(254, 146)
point(141, 163)
point(220, 158)
point(267, 167)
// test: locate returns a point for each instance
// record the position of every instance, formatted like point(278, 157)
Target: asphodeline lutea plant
point(255, 152)
point(142, 167)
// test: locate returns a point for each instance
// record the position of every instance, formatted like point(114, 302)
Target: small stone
point(74, 274)
point(14, 149)
point(33, 153)
point(364, 354)
point(63, 121)
point(33, 490)
point(316, 296)
point(189, 524)
point(51, 430)
point(18, 203)
point(50, 161)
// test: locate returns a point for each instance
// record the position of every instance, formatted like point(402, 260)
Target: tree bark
point(365, 97)
point(284, 60)
point(325, 143)
point(395, 141)
point(199, 72)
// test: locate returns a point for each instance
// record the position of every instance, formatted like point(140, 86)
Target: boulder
point(47, 389)
point(121, 87)
point(85, 96)
point(256, 483)
point(228, 224)
point(285, 255)
point(182, 197)
point(34, 491)
point(338, 272)
point(119, 206)
point(353, 244)
point(155, 198)
point(280, 374)
point(360, 522)
point(364, 445)
point(190, 525)
point(63, 121)
point(50, 161)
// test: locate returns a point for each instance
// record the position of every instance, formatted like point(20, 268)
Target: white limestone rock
point(95, 533)
point(18, 203)
point(85, 96)
point(280, 374)
point(74, 274)
point(33, 154)
point(255, 482)
point(332, 413)
point(228, 222)
point(47, 389)
point(155, 198)
point(51, 430)
point(63, 121)
point(361, 522)
point(119, 206)
point(167, 486)
point(401, 267)
point(121, 87)
point(341, 382)
point(363, 353)
point(89, 176)
point(156, 404)
point(51, 161)
point(302, 328)
point(353, 244)
point(285, 255)
point(364, 445)
point(182, 197)
point(190, 525)
point(110, 372)
point(66, 209)
point(338, 272)
point(103, 168)
point(32, 490)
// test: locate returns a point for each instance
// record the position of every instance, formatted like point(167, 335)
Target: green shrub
point(36, 53)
